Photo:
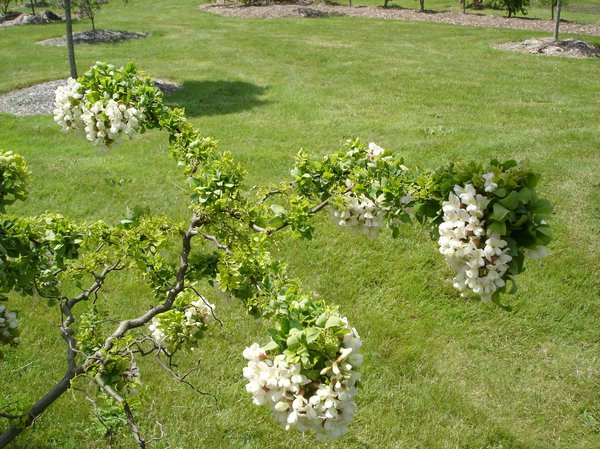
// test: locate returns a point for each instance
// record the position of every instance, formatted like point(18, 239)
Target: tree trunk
point(33, 7)
point(40, 406)
point(70, 45)
point(464, 5)
point(552, 11)
point(422, 2)
point(94, 25)
point(557, 20)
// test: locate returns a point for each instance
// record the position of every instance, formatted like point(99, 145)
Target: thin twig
point(182, 378)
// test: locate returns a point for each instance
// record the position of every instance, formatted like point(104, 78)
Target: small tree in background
point(552, 4)
point(557, 20)
point(514, 6)
point(4, 5)
point(89, 8)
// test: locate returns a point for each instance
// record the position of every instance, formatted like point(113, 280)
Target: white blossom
point(374, 151)
point(195, 316)
point(295, 402)
point(480, 261)
point(104, 121)
point(360, 212)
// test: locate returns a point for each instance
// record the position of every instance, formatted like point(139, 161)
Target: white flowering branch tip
point(104, 121)
point(324, 406)
point(480, 262)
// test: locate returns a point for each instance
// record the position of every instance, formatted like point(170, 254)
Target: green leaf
point(498, 227)
point(511, 201)
point(500, 212)
point(525, 195)
point(500, 192)
point(542, 206)
point(312, 333)
point(271, 346)
point(278, 210)
point(333, 321)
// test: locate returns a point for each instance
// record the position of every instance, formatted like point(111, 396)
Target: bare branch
point(218, 244)
point(182, 378)
point(269, 194)
point(207, 304)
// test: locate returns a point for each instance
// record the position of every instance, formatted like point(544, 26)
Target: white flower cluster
point(67, 106)
point(196, 316)
point(490, 185)
point(481, 261)
point(360, 212)
point(104, 122)
point(8, 326)
point(298, 403)
point(374, 151)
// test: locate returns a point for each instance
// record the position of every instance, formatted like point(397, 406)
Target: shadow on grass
point(202, 98)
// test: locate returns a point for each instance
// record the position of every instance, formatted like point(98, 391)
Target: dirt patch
point(569, 48)
point(94, 37)
point(39, 98)
point(277, 11)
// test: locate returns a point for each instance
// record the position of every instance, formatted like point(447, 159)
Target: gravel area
point(94, 37)
point(393, 13)
point(39, 99)
point(15, 19)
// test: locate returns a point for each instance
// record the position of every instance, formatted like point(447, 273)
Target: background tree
point(514, 6)
point(552, 5)
point(89, 8)
point(557, 20)
point(4, 6)
point(70, 43)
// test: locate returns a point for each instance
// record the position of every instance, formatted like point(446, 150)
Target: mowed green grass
point(440, 371)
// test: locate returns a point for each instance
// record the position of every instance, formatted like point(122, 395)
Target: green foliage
point(103, 81)
point(5, 6)
point(512, 7)
point(89, 9)
point(14, 179)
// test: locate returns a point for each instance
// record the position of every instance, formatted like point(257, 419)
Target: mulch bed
point(290, 10)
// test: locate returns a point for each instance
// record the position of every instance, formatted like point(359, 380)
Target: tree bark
point(70, 45)
point(39, 407)
point(557, 21)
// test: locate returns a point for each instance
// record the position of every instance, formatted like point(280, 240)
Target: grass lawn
point(440, 371)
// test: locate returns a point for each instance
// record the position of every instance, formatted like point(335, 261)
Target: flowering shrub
point(105, 111)
point(486, 220)
point(296, 401)
point(491, 220)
